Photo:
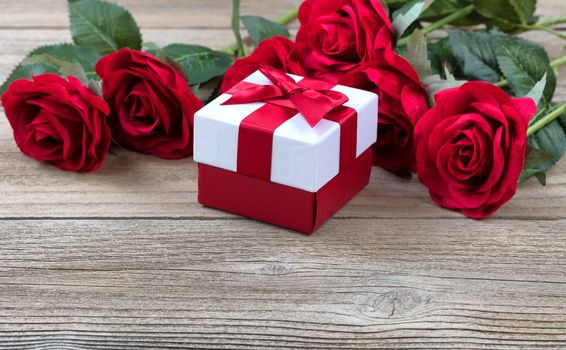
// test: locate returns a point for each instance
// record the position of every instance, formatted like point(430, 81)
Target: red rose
point(277, 52)
point(152, 106)
point(471, 147)
point(402, 101)
point(337, 35)
point(58, 121)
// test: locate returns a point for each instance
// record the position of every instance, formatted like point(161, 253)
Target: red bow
point(312, 98)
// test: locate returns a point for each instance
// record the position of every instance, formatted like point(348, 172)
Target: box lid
point(300, 156)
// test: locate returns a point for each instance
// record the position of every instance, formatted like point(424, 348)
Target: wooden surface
point(126, 258)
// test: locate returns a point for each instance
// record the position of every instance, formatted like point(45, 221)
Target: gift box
point(284, 149)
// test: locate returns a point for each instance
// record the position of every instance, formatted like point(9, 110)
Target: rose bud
point(152, 106)
point(277, 52)
point(471, 147)
point(58, 121)
point(402, 101)
point(338, 35)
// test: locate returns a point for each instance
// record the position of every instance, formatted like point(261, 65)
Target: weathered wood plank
point(172, 13)
point(416, 284)
point(390, 271)
point(46, 14)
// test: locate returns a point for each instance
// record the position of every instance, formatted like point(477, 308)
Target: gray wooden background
point(126, 258)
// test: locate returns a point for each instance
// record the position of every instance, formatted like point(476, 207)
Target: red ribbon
point(313, 100)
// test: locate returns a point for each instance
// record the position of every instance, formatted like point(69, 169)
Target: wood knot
point(275, 269)
point(388, 305)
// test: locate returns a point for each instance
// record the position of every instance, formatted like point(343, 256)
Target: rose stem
point(547, 25)
point(441, 23)
point(552, 22)
point(546, 29)
point(547, 119)
point(288, 16)
point(557, 63)
point(236, 27)
point(502, 83)
point(284, 19)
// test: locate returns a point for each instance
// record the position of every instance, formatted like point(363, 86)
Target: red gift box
point(285, 150)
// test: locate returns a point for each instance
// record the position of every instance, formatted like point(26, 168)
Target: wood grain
point(150, 14)
point(233, 283)
point(126, 258)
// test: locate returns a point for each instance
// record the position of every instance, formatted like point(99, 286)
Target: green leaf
point(150, 45)
point(551, 139)
point(406, 16)
point(537, 90)
point(492, 55)
point(96, 87)
point(261, 29)
point(535, 163)
point(435, 84)
point(440, 9)
point(547, 147)
point(158, 52)
point(440, 54)
point(215, 91)
point(541, 177)
point(417, 54)
point(394, 2)
point(451, 78)
point(475, 54)
point(524, 64)
point(102, 26)
point(65, 68)
point(66, 52)
point(199, 63)
point(509, 12)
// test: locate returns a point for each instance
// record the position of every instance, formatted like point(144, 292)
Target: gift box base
point(281, 205)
